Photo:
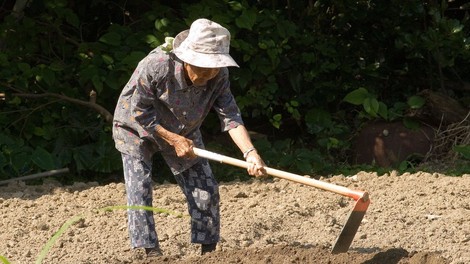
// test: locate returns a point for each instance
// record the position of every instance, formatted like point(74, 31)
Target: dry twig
point(446, 139)
point(98, 108)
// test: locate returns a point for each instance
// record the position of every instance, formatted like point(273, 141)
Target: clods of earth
point(413, 218)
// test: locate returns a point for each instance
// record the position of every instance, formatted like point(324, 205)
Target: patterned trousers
point(198, 185)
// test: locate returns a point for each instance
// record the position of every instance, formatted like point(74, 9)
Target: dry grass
point(447, 138)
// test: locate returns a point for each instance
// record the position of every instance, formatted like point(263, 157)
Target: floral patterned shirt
point(157, 93)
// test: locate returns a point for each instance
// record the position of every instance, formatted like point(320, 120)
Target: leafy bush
point(298, 59)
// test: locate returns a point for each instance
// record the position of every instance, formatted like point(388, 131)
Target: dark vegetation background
point(312, 74)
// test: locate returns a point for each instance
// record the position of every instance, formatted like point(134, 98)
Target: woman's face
point(200, 76)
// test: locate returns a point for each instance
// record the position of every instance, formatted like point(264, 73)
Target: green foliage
point(463, 150)
point(300, 61)
point(374, 109)
point(17, 158)
point(369, 102)
point(4, 260)
point(416, 102)
point(73, 54)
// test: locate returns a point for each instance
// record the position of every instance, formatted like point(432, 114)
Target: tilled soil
point(413, 218)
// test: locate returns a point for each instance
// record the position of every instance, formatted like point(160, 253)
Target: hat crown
point(206, 36)
point(205, 44)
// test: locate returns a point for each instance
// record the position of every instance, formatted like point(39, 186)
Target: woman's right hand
point(183, 146)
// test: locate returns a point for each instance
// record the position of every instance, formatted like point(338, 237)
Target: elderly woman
point(161, 109)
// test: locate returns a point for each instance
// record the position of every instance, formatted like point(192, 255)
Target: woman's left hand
point(257, 165)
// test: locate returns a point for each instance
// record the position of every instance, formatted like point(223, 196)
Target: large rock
point(388, 144)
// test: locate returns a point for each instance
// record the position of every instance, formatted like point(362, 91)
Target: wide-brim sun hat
point(205, 44)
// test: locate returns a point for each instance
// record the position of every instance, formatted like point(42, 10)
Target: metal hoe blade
point(345, 238)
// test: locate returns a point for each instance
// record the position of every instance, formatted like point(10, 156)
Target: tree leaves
point(111, 38)
point(357, 96)
point(416, 102)
point(297, 62)
point(368, 101)
point(43, 159)
point(463, 150)
point(247, 19)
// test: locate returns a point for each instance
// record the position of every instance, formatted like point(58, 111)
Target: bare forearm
point(183, 146)
point(166, 135)
point(241, 138)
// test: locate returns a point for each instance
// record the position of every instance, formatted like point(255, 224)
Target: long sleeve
point(143, 108)
point(227, 108)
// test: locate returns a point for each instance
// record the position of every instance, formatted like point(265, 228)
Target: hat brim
point(204, 60)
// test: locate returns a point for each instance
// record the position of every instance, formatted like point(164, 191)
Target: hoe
point(353, 222)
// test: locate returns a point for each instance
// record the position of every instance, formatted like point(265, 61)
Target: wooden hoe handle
point(356, 195)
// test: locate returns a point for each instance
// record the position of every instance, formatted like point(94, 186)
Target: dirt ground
point(413, 218)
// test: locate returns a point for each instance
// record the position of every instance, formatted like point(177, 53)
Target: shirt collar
point(179, 74)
